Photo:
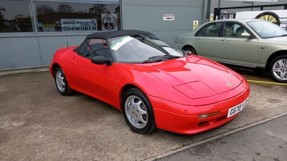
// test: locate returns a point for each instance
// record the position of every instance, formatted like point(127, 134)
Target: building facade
point(32, 30)
point(226, 13)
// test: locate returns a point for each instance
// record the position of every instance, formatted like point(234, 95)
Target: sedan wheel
point(138, 111)
point(279, 69)
point(61, 82)
point(188, 51)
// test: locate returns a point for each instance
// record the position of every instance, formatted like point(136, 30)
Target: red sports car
point(155, 85)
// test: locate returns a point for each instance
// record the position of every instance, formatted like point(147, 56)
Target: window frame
point(34, 20)
point(80, 53)
point(31, 14)
point(239, 23)
point(207, 25)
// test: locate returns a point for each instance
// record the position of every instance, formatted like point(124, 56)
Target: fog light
point(208, 115)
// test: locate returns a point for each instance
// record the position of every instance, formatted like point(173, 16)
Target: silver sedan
point(249, 43)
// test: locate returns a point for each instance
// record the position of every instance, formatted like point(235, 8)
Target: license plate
point(236, 109)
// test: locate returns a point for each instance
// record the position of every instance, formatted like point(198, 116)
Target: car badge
point(229, 84)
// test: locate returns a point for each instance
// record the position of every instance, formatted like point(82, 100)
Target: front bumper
point(187, 120)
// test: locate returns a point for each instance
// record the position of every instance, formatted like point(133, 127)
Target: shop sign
point(168, 17)
point(49, 28)
point(195, 24)
point(79, 24)
point(109, 22)
point(211, 17)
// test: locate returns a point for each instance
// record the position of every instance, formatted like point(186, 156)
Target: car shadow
point(252, 73)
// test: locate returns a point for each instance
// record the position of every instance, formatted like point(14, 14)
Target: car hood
point(276, 40)
point(196, 77)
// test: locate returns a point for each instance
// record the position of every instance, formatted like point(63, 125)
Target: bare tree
point(65, 8)
point(2, 9)
point(44, 9)
point(1, 18)
point(98, 9)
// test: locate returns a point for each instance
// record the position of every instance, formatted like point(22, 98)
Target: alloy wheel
point(136, 111)
point(60, 81)
point(279, 69)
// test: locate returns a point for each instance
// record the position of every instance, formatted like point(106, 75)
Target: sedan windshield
point(141, 49)
point(266, 29)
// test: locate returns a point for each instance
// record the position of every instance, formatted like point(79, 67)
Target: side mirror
point(246, 35)
point(100, 60)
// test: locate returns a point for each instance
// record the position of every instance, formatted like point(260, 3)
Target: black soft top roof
point(112, 34)
point(118, 33)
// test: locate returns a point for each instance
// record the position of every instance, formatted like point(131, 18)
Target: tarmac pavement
point(265, 142)
point(36, 123)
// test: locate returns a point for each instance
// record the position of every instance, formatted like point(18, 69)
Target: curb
point(163, 155)
point(19, 71)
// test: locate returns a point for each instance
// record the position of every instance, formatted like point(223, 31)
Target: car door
point(237, 49)
point(206, 40)
point(94, 79)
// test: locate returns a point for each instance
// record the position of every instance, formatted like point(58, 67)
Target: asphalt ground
point(265, 142)
point(36, 123)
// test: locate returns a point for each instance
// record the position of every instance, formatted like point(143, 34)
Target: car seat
point(239, 31)
point(228, 30)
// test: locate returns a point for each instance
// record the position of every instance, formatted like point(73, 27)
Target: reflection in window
point(211, 30)
point(15, 16)
point(233, 30)
point(266, 29)
point(77, 17)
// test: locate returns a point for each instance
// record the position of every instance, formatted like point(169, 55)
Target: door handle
point(197, 38)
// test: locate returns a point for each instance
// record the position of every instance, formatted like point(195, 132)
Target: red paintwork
point(178, 89)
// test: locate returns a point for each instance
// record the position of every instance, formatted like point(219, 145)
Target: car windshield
point(141, 49)
point(266, 29)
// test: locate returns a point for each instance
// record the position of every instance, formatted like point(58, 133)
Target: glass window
point(210, 30)
point(233, 30)
point(77, 17)
point(267, 29)
point(95, 47)
point(15, 16)
point(140, 48)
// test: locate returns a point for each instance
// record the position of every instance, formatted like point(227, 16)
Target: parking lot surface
point(265, 142)
point(37, 123)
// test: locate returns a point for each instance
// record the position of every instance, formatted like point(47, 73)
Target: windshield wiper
point(159, 58)
point(154, 59)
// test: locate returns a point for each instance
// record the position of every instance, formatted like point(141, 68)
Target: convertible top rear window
point(120, 42)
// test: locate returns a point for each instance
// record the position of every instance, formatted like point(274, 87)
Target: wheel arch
point(188, 46)
point(54, 66)
point(274, 55)
point(151, 124)
point(124, 89)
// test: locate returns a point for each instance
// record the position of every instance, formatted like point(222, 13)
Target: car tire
point(138, 111)
point(61, 82)
point(278, 68)
point(271, 14)
point(189, 51)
